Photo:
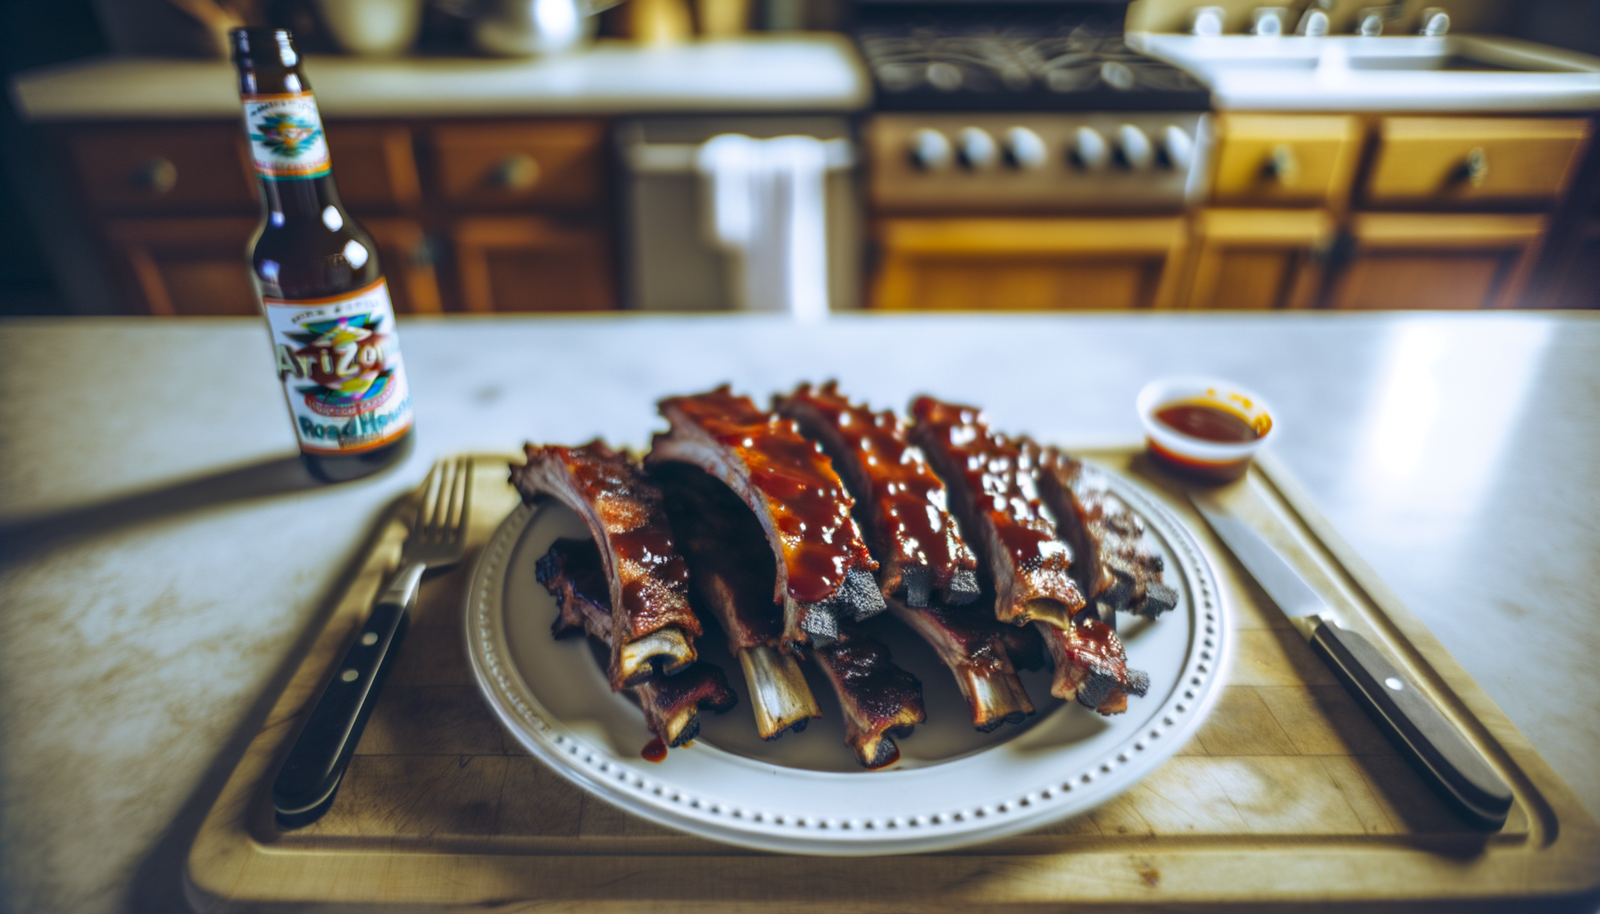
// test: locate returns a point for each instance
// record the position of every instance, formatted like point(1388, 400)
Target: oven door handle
point(678, 158)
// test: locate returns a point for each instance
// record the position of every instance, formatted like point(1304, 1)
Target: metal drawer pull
point(1282, 165)
point(678, 158)
point(515, 172)
point(1475, 170)
point(157, 174)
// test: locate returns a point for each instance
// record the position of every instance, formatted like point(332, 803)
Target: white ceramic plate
point(804, 793)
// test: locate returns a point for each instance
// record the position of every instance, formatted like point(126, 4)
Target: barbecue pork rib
point(900, 503)
point(651, 626)
point(975, 651)
point(923, 564)
point(731, 571)
point(993, 495)
point(572, 570)
point(993, 482)
point(824, 570)
point(880, 701)
point(1115, 565)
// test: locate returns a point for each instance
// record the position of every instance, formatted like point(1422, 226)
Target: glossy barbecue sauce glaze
point(654, 751)
point(809, 507)
point(911, 502)
point(654, 578)
point(999, 470)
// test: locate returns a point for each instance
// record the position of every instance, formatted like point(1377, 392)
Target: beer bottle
point(317, 274)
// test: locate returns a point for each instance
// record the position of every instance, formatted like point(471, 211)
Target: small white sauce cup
point(1210, 460)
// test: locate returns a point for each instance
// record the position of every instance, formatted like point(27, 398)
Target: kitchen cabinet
point(1257, 259)
point(1403, 260)
point(1282, 159)
point(1027, 264)
point(515, 263)
point(1466, 162)
point(520, 206)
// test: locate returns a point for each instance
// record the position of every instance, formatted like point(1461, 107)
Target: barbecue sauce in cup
point(1203, 427)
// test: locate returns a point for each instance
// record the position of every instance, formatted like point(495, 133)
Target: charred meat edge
point(900, 503)
point(730, 578)
point(880, 700)
point(1091, 666)
point(823, 569)
point(654, 627)
point(572, 571)
point(1116, 565)
point(992, 494)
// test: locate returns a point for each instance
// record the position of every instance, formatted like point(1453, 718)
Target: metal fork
point(311, 775)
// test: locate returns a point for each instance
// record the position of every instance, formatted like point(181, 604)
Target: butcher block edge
point(1547, 852)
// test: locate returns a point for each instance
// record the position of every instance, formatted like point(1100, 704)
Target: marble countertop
point(817, 72)
point(164, 555)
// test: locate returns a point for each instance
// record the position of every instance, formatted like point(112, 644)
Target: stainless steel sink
point(1465, 72)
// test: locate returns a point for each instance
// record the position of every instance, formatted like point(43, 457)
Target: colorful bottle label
point(339, 361)
point(286, 137)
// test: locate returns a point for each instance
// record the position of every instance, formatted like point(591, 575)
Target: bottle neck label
point(339, 362)
point(286, 137)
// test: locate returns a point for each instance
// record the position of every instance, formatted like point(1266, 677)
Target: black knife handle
point(311, 775)
point(1416, 726)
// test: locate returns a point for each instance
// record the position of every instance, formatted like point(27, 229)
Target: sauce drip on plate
point(654, 751)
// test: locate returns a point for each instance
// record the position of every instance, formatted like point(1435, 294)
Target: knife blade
point(1406, 715)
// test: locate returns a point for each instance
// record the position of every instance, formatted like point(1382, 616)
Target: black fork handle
point(311, 775)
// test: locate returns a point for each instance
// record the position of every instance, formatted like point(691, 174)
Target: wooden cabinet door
point(1026, 264)
point(177, 266)
point(525, 263)
point(1461, 161)
point(198, 266)
point(513, 165)
point(376, 167)
point(164, 168)
point(1407, 261)
point(1257, 259)
point(1268, 159)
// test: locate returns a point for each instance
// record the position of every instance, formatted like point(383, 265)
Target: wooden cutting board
point(1289, 796)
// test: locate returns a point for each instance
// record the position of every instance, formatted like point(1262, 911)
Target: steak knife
point(1407, 717)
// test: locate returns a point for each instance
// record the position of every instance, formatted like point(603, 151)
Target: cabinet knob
point(515, 172)
point(1475, 170)
point(1024, 149)
point(1089, 149)
point(977, 149)
point(1282, 165)
point(929, 149)
point(157, 174)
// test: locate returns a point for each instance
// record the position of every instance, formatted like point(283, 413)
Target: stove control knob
point(1178, 146)
point(930, 151)
point(1134, 150)
point(977, 149)
point(1025, 151)
point(1089, 150)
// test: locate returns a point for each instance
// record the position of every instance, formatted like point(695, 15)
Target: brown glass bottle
point(317, 273)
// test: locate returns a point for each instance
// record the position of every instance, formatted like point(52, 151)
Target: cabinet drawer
point(1461, 160)
point(1026, 264)
point(1284, 158)
point(1417, 261)
point(554, 163)
point(375, 166)
point(164, 168)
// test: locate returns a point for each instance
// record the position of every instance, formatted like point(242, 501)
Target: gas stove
point(1038, 57)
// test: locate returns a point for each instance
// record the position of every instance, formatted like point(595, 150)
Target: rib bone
point(650, 622)
point(823, 569)
point(880, 701)
point(975, 652)
point(671, 704)
point(730, 578)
